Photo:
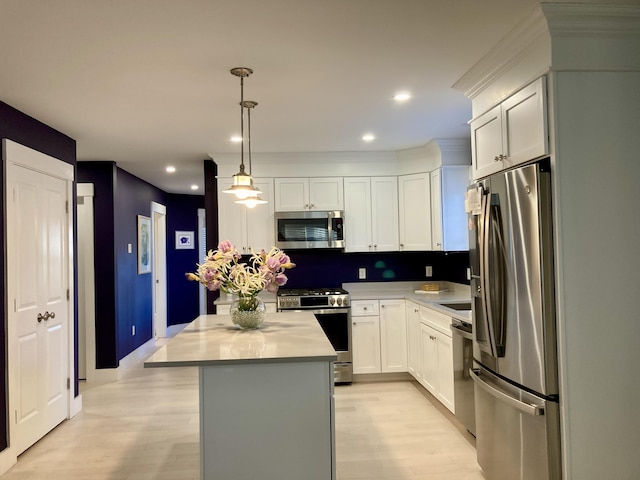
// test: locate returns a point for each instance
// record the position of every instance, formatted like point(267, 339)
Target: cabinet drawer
point(362, 308)
point(438, 321)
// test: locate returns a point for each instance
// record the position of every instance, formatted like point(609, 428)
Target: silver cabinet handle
point(39, 317)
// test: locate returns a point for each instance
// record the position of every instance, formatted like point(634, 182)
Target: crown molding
point(510, 51)
point(569, 19)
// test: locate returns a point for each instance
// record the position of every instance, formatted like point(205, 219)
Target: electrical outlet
point(129, 248)
point(428, 271)
point(133, 330)
point(362, 273)
point(468, 274)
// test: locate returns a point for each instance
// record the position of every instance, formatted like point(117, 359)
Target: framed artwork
point(144, 244)
point(184, 240)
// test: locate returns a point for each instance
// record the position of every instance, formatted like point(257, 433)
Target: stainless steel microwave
point(310, 229)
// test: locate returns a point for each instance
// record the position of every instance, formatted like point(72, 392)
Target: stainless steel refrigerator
point(515, 360)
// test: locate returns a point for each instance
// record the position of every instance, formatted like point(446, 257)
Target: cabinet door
point(384, 210)
point(524, 124)
point(393, 336)
point(232, 219)
point(486, 143)
point(326, 193)
point(454, 222)
point(429, 358)
point(357, 211)
point(366, 344)
point(291, 194)
point(413, 341)
point(415, 212)
point(437, 242)
point(260, 224)
point(445, 370)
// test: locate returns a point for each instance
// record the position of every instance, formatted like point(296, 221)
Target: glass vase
point(248, 312)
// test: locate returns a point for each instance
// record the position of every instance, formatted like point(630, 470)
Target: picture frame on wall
point(184, 240)
point(144, 244)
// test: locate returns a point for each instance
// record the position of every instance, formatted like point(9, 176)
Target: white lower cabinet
point(435, 361)
point(365, 342)
point(413, 340)
point(393, 336)
point(379, 336)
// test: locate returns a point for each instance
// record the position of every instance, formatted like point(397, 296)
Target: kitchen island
point(266, 396)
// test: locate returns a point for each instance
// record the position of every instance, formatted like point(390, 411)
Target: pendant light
point(242, 185)
point(254, 198)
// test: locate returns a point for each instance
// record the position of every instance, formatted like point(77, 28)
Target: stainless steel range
point(332, 308)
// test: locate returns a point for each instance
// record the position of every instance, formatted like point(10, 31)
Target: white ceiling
point(146, 83)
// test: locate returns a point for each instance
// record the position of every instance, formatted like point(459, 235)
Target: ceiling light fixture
point(194, 187)
point(253, 199)
point(170, 169)
point(242, 185)
point(368, 137)
point(402, 96)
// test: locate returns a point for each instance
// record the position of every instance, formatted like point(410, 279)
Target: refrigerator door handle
point(523, 407)
point(484, 226)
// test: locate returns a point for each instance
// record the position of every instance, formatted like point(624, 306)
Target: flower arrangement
point(221, 271)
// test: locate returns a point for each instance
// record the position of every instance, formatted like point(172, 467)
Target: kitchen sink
point(457, 306)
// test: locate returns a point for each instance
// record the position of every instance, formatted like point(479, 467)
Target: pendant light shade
point(242, 183)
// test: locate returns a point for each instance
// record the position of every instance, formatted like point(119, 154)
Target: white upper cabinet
point(511, 133)
point(371, 214)
point(247, 228)
point(296, 194)
point(449, 221)
point(415, 211)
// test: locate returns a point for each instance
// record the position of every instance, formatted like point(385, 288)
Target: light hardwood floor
point(145, 427)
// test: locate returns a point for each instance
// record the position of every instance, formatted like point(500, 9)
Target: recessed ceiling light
point(236, 139)
point(368, 137)
point(402, 96)
point(170, 169)
point(194, 187)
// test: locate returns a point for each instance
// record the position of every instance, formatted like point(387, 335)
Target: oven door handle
point(325, 311)
point(317, 311)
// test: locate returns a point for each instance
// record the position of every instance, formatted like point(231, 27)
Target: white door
point(37, 246)
point(159, 295)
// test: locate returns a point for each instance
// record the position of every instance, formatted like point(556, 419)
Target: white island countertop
point(214, 340)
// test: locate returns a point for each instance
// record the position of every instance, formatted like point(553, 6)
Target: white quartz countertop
point(454, 293)
point(214, 340)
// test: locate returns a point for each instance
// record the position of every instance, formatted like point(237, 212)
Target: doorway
point(159, 256)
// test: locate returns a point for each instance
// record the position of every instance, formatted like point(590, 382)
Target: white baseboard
point(106, 375)
point(75, 406)
point(7, 460)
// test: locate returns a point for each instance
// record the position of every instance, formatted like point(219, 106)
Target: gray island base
point(266, 396)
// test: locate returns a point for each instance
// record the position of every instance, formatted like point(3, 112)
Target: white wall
point(597, 119)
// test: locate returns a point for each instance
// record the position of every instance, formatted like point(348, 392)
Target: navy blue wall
point(134, 301)
point(103, 177)
point(182, 298)
point(124, 298)
point(27, 131)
